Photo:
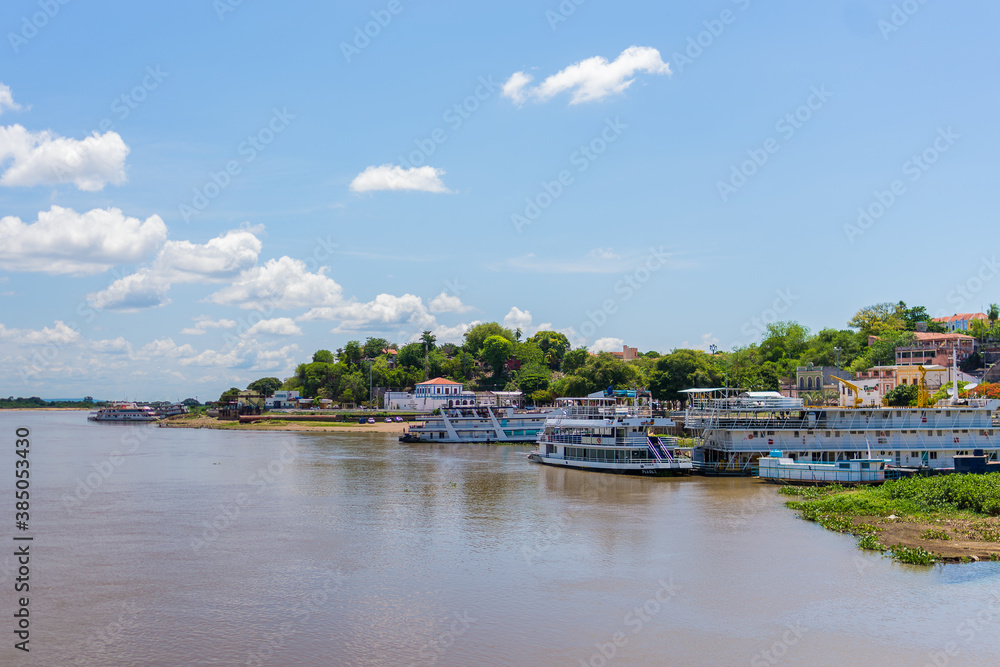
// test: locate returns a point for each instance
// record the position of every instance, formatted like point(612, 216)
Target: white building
point(431, 395)
point(282, 400)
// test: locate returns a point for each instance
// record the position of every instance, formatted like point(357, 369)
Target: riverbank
point(202, 421)
point(925, 520)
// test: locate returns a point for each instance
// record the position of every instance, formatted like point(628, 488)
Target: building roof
point(438, 381)
point(960, 317)
point(928, 336)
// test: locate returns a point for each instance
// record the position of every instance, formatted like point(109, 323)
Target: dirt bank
point(201, 421)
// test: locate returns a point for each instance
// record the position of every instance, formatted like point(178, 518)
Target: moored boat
point(776, 467)
point(735, 432)
point(124, 412)
point(482, 423)
point(612, 431)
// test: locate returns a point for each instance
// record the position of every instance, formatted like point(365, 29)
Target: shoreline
point(201, 421)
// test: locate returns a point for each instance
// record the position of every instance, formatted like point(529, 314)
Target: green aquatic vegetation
point(934, 534)
point(870, 542)
point(912, 555)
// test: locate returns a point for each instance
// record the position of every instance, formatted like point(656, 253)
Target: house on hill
point(431, 395)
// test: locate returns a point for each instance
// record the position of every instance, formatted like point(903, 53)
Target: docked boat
point(777, 468)
point(484, 423)
point(610, 432)
point(735, 432)
point(124, 412)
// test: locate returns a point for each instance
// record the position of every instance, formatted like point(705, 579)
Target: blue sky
point(197, 194)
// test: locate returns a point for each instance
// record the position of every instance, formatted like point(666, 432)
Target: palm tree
point(993, 313)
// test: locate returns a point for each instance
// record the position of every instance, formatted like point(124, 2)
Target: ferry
point(483, 423)
point(124, 412)
point(777, 468)
point(610, 432)
point(736, 431)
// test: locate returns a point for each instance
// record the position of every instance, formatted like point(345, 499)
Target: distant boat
point(124, 412)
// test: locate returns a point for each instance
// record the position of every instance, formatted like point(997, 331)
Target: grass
point(922, 499)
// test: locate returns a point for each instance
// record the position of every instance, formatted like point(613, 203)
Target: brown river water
point(196, 547)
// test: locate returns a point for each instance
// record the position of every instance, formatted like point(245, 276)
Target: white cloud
point(279, 326)
point(591, 79)
point(7, 99)
point(283, 283)
point(448, 303)
point(44, 158)
point(59, 334)
point(203, 323)
point(64, 241)
point(607, 345)
point(222, 258)
point(514, 88)
point(521, 319)
point(391, 177)
point(384, 309)
point(446, 334)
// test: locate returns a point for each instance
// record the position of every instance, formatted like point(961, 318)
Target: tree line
point(545, 366)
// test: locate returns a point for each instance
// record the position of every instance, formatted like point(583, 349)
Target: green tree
point(682, 369)
point(877, 319)
point(496, 351)
point(477, 335)
point(353, 353)
point(553, 345)
point(606, 370)
point(374, 347)
point(229, 395)
point(993, 313)
point(323, 356)
point(911, 316)
point(902, 395)
point(575, 360)
point(573, 386)
point(411, 355)
point(265, 386)
point(882, 351)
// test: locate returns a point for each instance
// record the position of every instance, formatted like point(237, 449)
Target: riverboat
point(776, 467)
point(484, 423)
point(734, 432)
point(611, 431)
point(124, 412)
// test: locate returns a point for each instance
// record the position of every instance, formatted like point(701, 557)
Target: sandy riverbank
point(201, 421)
point(963, 536)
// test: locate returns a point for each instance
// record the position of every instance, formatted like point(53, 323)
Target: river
point(198, 547)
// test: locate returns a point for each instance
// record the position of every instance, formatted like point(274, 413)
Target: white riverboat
point(736, 431)
point(484, 423)
point(124, 412)
point(776, 467)
point(610, 432)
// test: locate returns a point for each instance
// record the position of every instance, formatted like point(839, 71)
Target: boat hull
point(637, 469)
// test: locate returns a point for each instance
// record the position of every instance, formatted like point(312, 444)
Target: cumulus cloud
point(514, 88)
point(589, 80)
point(58, 334)
point(448, 303)
point(385, 309)
point(7, 99)
point(283, 282)
point(203, 323)
point(392, 177)
point(448, 334)
point(64, 241)
point(45, 158)
point(279, 326)
point(522, 319)
point(607, 345)
point(220, 259)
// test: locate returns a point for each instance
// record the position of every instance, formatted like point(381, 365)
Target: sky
point(200, 193)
